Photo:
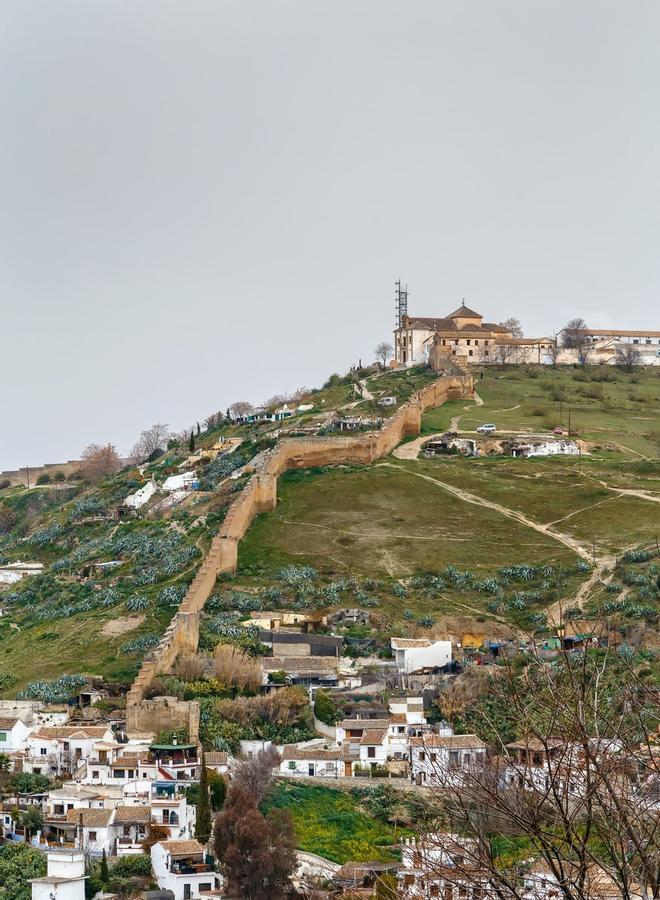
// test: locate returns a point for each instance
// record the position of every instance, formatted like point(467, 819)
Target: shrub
point(325, 708)
point(44, 478)
point(5, 483)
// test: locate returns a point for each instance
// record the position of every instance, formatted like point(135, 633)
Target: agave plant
point(138, 603)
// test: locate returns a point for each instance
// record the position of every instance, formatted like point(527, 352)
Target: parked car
point(558, 430)
point(488, 428)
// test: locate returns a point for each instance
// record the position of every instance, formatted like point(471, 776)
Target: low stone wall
point(22, 476)
point(260, 495)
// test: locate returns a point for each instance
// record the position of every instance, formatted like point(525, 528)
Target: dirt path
point(467, 497)
point(412, 448)
point(477, 400)
point(363, 390)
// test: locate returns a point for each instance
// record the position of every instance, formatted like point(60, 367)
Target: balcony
point(186, 867)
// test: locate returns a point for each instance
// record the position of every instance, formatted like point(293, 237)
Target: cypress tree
point(203, 822)
point(191, 443)
point(105, 872)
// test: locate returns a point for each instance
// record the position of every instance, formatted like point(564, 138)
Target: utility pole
point(569, 421)
point(593, 548)
point(401, 302)
point(27, 476)
point(579, 460)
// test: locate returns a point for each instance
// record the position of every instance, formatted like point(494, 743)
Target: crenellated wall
point(260, 495)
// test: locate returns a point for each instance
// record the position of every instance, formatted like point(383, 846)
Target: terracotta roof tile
point(182, 848)
point(453, 742)
point(373, 736)
point(90, 817)
point(8, 723)
point(125, 814)
point(66, 732)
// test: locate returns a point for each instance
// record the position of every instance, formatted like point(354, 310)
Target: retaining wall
point(259, 495)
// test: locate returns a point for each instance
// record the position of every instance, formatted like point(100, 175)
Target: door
point(311, 769)
point(187, 892)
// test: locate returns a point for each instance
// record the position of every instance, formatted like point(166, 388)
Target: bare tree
point(504, 351)
point(627, 356)
point(574, 334)
point(384, 353)
point(240, 408)
point(213, 421)
point(584, 352)
point(578, 789)
point(99, 461)
point(553, 352)
point(255, 774)
point(150, 440)
point(513, 326)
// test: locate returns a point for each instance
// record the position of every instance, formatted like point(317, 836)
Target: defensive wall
point(260, 495)
point(31, 473)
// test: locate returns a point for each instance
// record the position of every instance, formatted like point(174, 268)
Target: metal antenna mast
point(401, 302)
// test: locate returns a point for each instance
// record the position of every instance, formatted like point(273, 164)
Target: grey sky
point(209, 201)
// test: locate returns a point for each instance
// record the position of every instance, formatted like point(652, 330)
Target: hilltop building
point(464, 338)
point(462, 331)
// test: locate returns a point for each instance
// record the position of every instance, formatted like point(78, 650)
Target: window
point(43, 751)
point(434, 757)
point(422, 756)
point(476, 343)
point(635, 340)
point(468, 342)
point(470, 352)
point(95, 773)
point(127, 830)
point(119, 773)
point(92, 835)
point(3, 736)
point(205, 886)
point(648, 340)
point(371, 752)
point(292, 764)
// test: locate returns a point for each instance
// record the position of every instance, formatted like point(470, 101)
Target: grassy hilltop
point(409, 539)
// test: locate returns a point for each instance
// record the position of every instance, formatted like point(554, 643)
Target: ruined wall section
point(260, 495)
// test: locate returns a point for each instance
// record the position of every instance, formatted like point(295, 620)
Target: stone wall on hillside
point(260, 495)
point(31, 473)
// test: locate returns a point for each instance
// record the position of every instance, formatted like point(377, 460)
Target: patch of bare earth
point(121, 626)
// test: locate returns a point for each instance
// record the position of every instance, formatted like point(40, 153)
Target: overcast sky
point(209, 201)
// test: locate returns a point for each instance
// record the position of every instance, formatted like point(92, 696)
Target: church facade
point(463, 333)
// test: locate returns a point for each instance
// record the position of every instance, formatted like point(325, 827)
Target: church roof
point(465, 312)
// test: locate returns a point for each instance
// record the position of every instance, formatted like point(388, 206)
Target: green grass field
point(330, 823)
point(381, 521)
point(604, 404)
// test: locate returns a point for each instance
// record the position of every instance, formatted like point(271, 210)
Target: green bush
point(325, 708)
point(44, 478)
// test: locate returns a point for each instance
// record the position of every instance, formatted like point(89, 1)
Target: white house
point(90, 829)
point(180, 867)
point(373, 748)
point(65, 879)
point(546, 448)
point(11, 573)
point(445, 761)
point(60, 749)
point(405, 721)
point(13, 732)
point(416, 654)
point(313, 758)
